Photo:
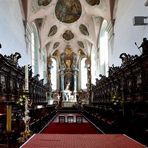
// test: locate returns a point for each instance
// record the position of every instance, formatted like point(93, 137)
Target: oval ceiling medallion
point(53, 30)
point(43, 2)
point(93, 2)
point(56, 44)
point(68, 11)
point(80, 43)
point(83, 30)
point(68, 35)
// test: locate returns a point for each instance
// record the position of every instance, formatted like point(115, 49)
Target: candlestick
point(9, 108)
point(27, 133)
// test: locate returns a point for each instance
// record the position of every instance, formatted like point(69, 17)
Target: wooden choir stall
point(12, 99)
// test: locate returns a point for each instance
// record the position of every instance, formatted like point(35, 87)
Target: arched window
point(93, 65)
point(83, 74)
point(35, 46)
point(32, 52)
point(103, 49)
point(54, 74)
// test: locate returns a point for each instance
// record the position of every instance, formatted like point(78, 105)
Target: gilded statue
point(68, 57)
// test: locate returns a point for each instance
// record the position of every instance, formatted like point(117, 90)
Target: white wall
point(12, 30)
point(125, 33)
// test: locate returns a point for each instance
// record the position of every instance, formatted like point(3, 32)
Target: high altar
point(68, 77)
point(68, 91)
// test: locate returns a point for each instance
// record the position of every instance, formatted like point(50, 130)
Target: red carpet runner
point(77, 135)
point(70, 128)
point(81, 141)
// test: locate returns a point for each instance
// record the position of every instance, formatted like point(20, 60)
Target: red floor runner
point(81, 141)
point(70, 128)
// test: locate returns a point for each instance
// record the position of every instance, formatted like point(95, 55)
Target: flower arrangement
point(24, 102)
point(116, 98)
point(21, 101)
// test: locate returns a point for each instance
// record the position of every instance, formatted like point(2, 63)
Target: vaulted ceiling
point(74, 23)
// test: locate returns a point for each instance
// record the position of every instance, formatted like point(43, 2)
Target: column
point(75, 80)
point(49, 67)
point(62, 81)
point(75, 84)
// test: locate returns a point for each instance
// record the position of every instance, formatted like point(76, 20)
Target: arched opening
point(54, 74)
point(103, 53)
point(32, 52)
point(35, 46)
point(84, 80)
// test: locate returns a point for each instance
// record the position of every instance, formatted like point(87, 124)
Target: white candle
point(26, 77)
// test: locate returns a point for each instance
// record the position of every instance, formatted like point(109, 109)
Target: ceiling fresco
point(68, 35)
point(53, 30)
point(80, 43)
point(83, 30)
point(56, 44)
point(93, 2)
point(39, 22)
point(56, 53)
point(81, 53)
point(68, 11)
point(69, 22)
point(43, 2)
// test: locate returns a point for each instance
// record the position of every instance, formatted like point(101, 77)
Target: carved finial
point(144, 46)
point(124, 57)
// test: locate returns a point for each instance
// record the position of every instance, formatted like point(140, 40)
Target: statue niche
point(69, 81)
point(70, 63)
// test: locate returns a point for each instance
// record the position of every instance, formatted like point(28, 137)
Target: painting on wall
point(68, 11)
